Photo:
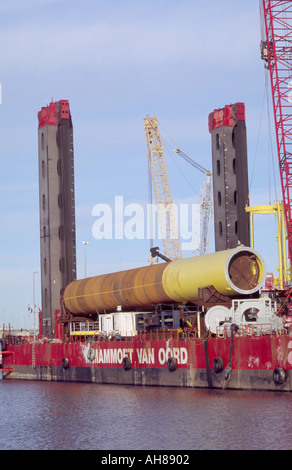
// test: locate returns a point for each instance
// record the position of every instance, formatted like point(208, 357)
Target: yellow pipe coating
point(231, 272)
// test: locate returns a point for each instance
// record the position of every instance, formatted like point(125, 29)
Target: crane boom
point(276, 50)
point(161, 187)
point(206, 206)
point(191, 161)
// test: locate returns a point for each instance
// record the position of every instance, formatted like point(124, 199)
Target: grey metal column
point(56, 207)
point(230, 176)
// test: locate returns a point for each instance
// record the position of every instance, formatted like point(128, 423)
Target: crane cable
point(270, 147)
point(271, 155)
point(170, 153)
point(256, 150)
point(193, 163)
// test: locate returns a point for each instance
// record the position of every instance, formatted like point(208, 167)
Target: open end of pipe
point(246, 271)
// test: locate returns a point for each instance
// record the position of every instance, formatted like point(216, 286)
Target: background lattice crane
point(161, 187)
point(165, 208)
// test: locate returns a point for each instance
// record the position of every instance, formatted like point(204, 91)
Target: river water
point(75, 416)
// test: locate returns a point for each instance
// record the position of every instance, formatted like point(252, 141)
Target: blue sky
point(116, 62)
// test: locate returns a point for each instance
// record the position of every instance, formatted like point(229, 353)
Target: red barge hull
point(257, 363)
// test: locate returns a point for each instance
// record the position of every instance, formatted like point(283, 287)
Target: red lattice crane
point(276, 50)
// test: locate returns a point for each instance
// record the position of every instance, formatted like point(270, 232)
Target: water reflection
point(107, 417)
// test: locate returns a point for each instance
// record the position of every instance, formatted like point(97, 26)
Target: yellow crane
point(163, 198)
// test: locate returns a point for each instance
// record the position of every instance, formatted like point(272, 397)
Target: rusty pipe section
point(231, 272)
point(131, 289)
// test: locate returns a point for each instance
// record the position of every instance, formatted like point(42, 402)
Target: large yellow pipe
point(231, 272)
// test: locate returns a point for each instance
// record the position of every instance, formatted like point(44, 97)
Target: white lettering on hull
point(145, 356)
point(180, 354)
point(142, 356)
point(112, 356)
